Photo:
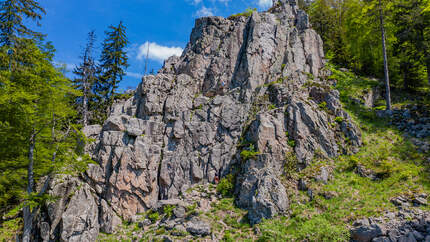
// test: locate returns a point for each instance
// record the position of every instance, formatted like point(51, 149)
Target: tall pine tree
point(113, 63)
point(12, 15)
point(86, 80)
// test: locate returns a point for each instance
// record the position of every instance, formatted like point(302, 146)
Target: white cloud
point(134, 75)
point(204, 12)
point(157, 52)
point(195, 2)
point(264, 3)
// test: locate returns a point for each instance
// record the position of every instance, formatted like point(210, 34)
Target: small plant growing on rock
point(153, 216)
point(168, 210)
point(323, 105)
point(292, 143)
point(249, 153)
point(339, 119)
point(272, 106)
point(226, 185)
point(248, 12)
point(290, 164)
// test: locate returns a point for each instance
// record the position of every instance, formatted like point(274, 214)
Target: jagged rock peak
point(242, 83)
point(247, 52)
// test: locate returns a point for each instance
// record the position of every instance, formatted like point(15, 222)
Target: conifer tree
point(12, 15)
point(37, 138)
point(113, 63)
point(86, 79)
point(36, 130)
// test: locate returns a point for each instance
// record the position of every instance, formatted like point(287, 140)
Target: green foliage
point(319, 228)
point(396, 163)
point(248, 12)
point(9, 229)
point(291, 143)
point(124, 96)
point(290, 164)
point(13, 14)
point(351, 33)
point(413, 41)
point(249, 153)
point(35, 109)
point(225, 186)
point(349, 85)
point(272, 106)
point(323, 105)
point(339, 119)
point(113, 63)
point(168, 210)
point(153, 216)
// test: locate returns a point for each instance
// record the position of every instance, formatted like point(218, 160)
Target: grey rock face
point(198, 227)
point(259, 188)
point(239, 81)
point(80, 219)
point(366, 233)
point(108, 219)
point(406, 225)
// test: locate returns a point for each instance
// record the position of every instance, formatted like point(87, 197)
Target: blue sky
point(164, 24)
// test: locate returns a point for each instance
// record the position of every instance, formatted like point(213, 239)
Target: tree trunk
point(384, 52)
point(428, 69)
point(27, 214)
point(85, 105)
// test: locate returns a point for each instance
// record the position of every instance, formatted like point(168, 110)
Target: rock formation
point(242, 83)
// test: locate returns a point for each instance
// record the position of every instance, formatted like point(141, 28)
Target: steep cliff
point(252, 83)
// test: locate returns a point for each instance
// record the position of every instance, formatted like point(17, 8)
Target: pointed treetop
point(13, 14)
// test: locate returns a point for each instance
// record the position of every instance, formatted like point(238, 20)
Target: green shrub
point(290, 163)
point(292, 143)
point(323, 105)
point(153, 216)
point(249, 153)
point(339, 119)
point(248, 12)
point(228, 237)
point(272, 106)
point(168, 210)
point(9, 228)
point(226, 185)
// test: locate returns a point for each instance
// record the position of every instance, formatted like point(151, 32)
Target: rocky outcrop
point(408, 224)
point(241, 81)
point(413, 120)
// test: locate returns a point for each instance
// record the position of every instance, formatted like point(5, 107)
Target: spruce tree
point(86, 79)
point(113, 63)
point(12, 15)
